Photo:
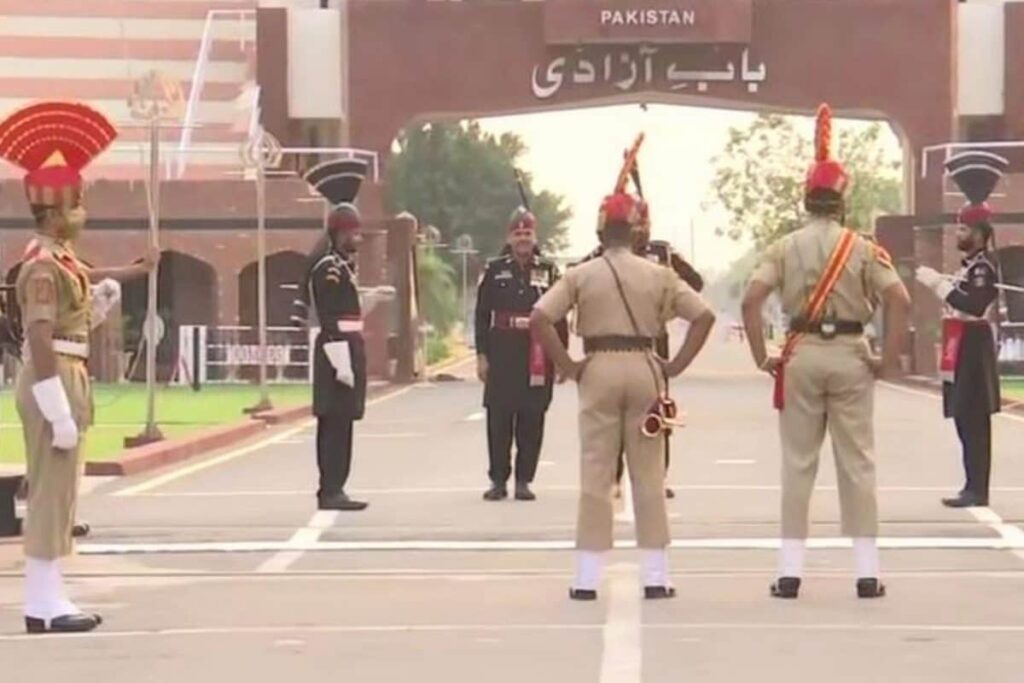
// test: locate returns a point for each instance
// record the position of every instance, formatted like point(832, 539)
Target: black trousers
point(527, 427)
point(333, 453)
point(621, 469)
point(975, 431)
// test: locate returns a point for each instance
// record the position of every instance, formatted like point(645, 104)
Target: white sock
point(791, 557)
point(589, 566)
point(865, 555)
point(655, 566)
point(45, 597)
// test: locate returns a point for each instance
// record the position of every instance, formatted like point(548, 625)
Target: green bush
point(438, 349)
point(439, 299)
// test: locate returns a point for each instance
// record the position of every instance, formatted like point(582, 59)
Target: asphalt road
point(221, 568)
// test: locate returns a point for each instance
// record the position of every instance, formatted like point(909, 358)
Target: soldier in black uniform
point(339, 357)
point(970, 388)
point(511, 363)
point(658, 251)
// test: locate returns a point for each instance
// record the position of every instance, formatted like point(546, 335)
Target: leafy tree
point(460, 179)
point(759, 177)
point(439, 300)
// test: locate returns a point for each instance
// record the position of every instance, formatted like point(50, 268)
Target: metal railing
point(199, 74)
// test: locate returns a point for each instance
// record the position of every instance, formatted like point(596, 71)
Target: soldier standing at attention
point(53, 142)
point(830, 281)
point(623, 302)
point(511, 363)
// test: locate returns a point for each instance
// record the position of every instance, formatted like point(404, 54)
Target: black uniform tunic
point(510, 290)
point(334, 295)
point(975, 387)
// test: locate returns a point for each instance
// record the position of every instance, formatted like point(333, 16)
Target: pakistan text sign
point(585, 22)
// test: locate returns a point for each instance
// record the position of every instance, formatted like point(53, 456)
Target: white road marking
point(390, 435)
point(766, 627)
point(542, 489)
point(321, 520)
point(622, 648)
point(735, 462)
point(1008, 532)
point(304, 545)
point(187, 470)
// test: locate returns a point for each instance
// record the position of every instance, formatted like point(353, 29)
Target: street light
point(261, 152)
point(155, 99)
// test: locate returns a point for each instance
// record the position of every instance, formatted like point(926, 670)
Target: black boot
point(496, 492)
point(659, 592)
point(68, 623)
point(340, 501)
point(786, 587)
point(870, 588)
point(523, 491)
point(80, 529)
point(966, 499)
point(582, 594)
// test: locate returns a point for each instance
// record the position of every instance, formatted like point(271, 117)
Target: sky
point(578, 153)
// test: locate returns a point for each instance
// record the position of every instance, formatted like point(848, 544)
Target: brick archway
point(456, 60)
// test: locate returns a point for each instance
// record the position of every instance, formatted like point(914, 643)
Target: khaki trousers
point(829, 385)
point(615, 392)
point(53, 476)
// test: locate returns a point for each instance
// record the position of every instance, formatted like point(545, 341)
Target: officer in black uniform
point(511, 363)
point(339, 357)
point(970, 388)
point(658, 251)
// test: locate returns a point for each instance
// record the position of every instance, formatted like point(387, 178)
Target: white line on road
point(1008, 532)
point(767, 627)
point(475, 417)
point(824, 543)
point(622, 651)
point(543, 489)
point(735, 462)
point(185, 471)
point(323, 519)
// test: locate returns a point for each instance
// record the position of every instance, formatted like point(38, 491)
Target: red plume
point(823, 134)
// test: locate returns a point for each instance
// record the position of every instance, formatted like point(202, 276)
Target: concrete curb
point(934, 385)
point(154, 455)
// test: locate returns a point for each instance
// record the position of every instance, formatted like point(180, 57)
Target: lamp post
point(261, 152)
point(155, 99)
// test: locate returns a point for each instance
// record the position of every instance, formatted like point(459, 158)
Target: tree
point(460, 179)
point(439, 300)
point(759, 177)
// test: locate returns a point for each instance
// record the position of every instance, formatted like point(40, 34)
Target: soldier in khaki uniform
point(830, 281)
point(53, 141)
point(623, 302)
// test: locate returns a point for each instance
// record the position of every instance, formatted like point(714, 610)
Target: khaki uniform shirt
point(655, 293)
point(793, 266)
point(53, 286)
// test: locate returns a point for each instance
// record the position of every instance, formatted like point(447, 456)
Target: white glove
point(105, 296)
point(339, 356)
point(934, 280)
point(371, 296)
point(53, 403)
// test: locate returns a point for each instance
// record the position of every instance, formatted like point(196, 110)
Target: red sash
point(814, 308)
point(538, 362)
point(952, 337)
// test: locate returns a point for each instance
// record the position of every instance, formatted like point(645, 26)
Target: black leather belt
point(615, 342)
point(826, 328)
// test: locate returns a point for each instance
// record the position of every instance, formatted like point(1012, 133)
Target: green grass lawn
point(121, 412)
point(1013, 388)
